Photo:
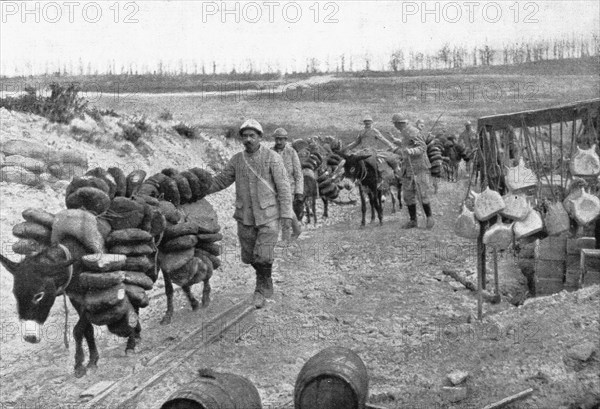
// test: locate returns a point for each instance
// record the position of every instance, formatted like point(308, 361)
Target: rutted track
point(123, 393)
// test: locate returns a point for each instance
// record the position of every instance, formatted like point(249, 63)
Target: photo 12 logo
point(469, 11)
point(69, 11)
point(269, 12)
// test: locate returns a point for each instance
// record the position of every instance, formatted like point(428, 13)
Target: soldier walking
point(263, 199)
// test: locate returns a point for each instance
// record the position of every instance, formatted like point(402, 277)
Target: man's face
point(400, 125)
point(250, 139)
point(368, 124)
point(280, 142)
point(420, 125)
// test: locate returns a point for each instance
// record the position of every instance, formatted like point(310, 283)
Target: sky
point(282, 34)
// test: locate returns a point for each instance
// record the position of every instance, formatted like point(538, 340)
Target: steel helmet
point(280, 132)
point(397, 118)
point(367, 118)
point(251, 124)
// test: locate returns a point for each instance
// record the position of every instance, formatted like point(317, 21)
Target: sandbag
point(126, 325)
point(466, 225)
point(102, 262)
point(87, 181)
point(158, 223)
point(215, 261)
point(137, 296)
point(157, 179)
point(138, 263)
point(105, 176)
point(139, 249)
point(38, 216)
point(183, 186)
point(30, 164)
point(27, 246)
point(168, 187)
point(557, 219)
point(125, 213)
point(209, 238)
point(89, 198)
point(148, 189)
point(104, 299)
point(169, 211)
point(31, 230)
point(120, 180)
point(139, 279)
point(517, 207)
point(170, 172)
point(110, 315)
point(195, 186)
point(326, 191)
point(205, 268)
point(180, 229)
point(487, 204)
point(126, 236)
point(172, 261)
point(203, 214)
point(585, 162)
point(180, 243)
point(519, 177)
point(95, 280)
point(499, 236)
point(145, 199)
point(532, 224)
point(205, 179)
point(187, 274)
point(212, 248)
point(133, 182)
point(104, 227)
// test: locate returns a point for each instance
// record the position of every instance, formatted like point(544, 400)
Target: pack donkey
point(43, 276)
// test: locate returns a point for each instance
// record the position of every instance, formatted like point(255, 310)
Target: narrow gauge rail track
point(122, 394)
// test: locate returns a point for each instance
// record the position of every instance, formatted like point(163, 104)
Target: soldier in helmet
point(415, 169)
point(369, 138)
point(263, 201)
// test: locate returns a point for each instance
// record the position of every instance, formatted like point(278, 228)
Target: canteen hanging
point(517, 207)
point(487, 204)
point(499, 236)
point(532, 224)
point(466, 225)
point(585, 162)
point(519, 177)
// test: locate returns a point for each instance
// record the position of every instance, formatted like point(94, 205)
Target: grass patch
point(185, 130)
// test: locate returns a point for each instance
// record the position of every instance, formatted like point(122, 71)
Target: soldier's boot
point(412, 212)
point(268, 280)
point(430, 221)
point(258, 299)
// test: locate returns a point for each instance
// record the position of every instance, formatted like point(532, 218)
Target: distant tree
point(367, 62)
point(486, 55)
point(445, 55)
point(314, 65)
point(214, 67)
point(343, 63)
point(89, 68)
point(397, 61)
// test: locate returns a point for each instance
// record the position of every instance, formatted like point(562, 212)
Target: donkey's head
point(38, 279)
point(354, 167)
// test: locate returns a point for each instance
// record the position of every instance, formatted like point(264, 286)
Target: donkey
point(40, 278)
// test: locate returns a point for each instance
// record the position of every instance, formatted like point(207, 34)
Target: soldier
point(369, 138)
point(263, 199)
point(415, 169)
point(468, 138)
point(294, 174)
point(420, 124)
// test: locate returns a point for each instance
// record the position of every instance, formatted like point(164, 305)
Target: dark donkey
point(43, 276)
point(359, 169)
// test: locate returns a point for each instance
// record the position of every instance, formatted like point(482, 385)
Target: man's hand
point(298, 197)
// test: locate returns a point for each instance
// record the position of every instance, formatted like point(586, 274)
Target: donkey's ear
point(361, 157)
point(11, 266)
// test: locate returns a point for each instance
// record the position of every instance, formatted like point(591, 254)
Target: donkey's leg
point(325, 207)
point(307, 207)
point(169, 293)
point(314, 208)
point(78, 333)
point(363, 205)
point(193, 301)
point(206, 293)
point(379, 204)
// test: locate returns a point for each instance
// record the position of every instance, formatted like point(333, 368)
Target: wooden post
point(497, 290)
point(480, 267)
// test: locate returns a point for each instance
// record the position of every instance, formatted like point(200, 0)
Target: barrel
point(215, 390)
point(335, 378)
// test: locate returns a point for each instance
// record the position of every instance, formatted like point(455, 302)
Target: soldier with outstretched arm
point(263, 201)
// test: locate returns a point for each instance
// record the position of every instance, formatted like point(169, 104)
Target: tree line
point(449, 56)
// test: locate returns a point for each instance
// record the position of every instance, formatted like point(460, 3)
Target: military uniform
point(295, 177)
point(262, 197)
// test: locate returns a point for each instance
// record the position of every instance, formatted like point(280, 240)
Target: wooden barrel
point(335, 378)
point(215, 390)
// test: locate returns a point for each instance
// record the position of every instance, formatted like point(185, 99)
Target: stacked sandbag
point(328, 188)
point(137, 245)
point(311, 161)
point(178, 256)
point(334, 160)
point(178, 187)
point(112, 293)
point(80, 226)
point(434, 153)
point(34, 233)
